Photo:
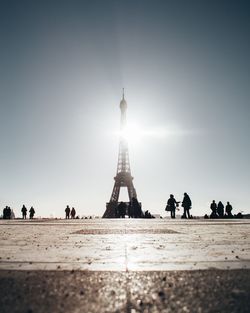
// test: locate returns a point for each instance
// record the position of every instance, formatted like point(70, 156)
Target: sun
point(133, 133)
point(136, 134)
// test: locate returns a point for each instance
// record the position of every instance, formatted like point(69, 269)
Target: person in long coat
point(73, 213)
point(171, 206)
point(32, 212)
point(220, 209)
point(24, 211)
point(186, 204)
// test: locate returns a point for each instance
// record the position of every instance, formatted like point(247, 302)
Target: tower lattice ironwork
point(123, 176)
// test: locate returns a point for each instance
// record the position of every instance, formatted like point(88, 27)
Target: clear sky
point(185, 67)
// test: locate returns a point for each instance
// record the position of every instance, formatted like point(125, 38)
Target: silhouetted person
point(171, 205)
point(4, 213)
point(32, 212)
point(67, 212)
point(73, 213)
point(136, 208)
point(7, 212)
point(229, 210)
point(24, 211)
point(220, 209)
point(213, 207)
point(186, 204)
point(122, 209)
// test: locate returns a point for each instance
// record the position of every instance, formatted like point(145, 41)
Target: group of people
point(133, 209)
point(218, 210)
point(24, 212)
point(70, 212)
point(172, 205)
point(8, 213)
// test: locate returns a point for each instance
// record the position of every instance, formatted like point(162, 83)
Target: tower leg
point(111, 208)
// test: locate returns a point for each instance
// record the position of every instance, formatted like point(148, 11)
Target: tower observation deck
point(123, 176)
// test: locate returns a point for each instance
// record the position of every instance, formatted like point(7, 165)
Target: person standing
point(32, 212)
point(5, 213)
point(24, 211)
point(67, 211)
point(220, 209)
point(171, 206)
point(229, 209)
point(213, 207)
point(8, 213)
point(186, 204)
point(122, 209)
point(73, 213)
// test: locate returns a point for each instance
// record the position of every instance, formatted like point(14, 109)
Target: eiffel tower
point(123, 176)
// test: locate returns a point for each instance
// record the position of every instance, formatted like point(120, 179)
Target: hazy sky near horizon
point(185, 68)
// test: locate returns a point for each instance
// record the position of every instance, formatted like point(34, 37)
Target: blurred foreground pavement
point(125, 265)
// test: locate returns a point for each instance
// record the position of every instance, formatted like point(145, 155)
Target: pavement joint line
point(131, 231)
point(182, 223)
point(140, 262)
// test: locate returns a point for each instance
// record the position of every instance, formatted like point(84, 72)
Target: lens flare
point(134, 133)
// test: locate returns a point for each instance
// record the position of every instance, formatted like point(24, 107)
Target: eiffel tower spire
point(123, 176)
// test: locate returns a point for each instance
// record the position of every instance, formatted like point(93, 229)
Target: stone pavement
point(124, 266)
point(124, 244)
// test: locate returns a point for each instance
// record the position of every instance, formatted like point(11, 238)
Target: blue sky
point(185, 69)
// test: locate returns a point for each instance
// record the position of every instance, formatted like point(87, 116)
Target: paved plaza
point(125, 265)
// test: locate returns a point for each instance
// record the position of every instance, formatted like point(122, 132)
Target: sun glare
point(136, 134)
point(132, 133)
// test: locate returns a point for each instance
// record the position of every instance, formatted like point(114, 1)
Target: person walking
point(186, 204)
point(73, 213)
point(67, 211)
point(24, 212)
point(32, 212)
point(171, 206)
